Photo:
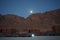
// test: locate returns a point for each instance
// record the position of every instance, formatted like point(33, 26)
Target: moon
point(31, 11)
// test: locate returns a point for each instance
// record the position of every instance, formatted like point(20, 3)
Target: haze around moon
point(31, 12)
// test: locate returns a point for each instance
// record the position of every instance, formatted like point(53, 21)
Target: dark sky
point(23, 7)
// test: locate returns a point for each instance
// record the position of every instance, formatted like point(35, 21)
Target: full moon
point(31, 11)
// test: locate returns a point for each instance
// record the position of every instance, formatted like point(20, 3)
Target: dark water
point(32, 38)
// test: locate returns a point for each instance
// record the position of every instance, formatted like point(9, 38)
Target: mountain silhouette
point(38, 21)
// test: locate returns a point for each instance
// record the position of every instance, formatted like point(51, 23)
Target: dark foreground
point(32, 38)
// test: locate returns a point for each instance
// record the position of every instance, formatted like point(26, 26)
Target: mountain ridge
point(43, 22)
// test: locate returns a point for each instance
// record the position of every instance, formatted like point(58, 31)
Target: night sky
point(23, 7)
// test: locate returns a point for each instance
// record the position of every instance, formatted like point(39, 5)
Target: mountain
point(42, 22)
point(13, 21)
point(45, 21)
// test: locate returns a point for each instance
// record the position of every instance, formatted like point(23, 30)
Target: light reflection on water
point(32, 38)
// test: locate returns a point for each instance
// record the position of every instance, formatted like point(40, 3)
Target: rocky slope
point(45, 20)
point(39, 21)
point(12, 21)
